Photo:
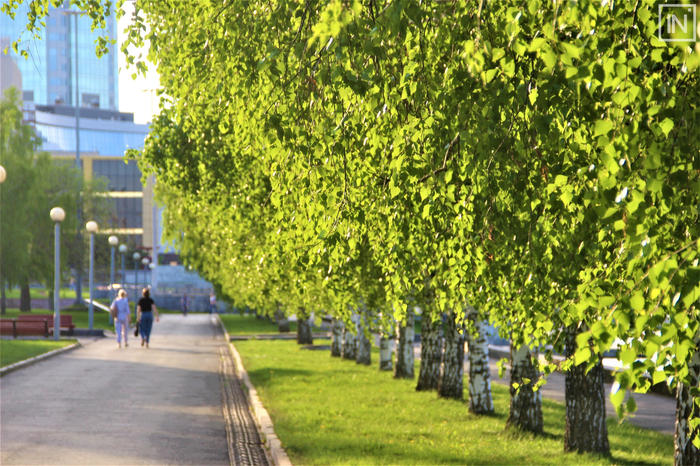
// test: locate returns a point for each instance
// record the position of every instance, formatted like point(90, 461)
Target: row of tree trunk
point(442, 369)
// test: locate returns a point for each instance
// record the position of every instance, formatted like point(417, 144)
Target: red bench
point(66, 320)
point(24, 327)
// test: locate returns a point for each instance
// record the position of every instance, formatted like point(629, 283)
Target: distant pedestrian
point(146, 309)
point(122, 317)
point(212, 303)
point(184, 304)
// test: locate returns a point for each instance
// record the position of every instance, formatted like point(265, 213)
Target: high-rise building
point(48, 88)
point(50, 71)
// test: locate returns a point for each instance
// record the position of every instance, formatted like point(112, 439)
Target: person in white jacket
point(122, 320)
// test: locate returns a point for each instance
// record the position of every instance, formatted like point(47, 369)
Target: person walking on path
point(184, 304)
point(122, 320)
point(212, 303)
point(145, 311)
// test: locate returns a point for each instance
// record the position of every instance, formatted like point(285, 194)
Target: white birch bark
point(586, 429)
point(685, 452)
point(364, 346)
point(525, 403)
point(337, 327)
point(385, 353)
point(430, 354)
point(480, 398)
point(405, 334)
point(451, 383)
point(349, 350)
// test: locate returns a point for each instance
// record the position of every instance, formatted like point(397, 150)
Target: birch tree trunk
point(525, 403)
point(385, 362)
point(405, 334)
point(430, 354)
point(282, 321)
point(685, 453)
point(480, 399)
point(586, 430)
point(25, 299)
point(349, 350)
point(304, 335)
point(364, 346)
point(3, 297)
point(337, 337)
point(451, 383)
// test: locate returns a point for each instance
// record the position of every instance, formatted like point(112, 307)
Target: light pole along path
point(103, 405)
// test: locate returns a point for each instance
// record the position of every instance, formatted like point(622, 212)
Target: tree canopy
point(538, 160)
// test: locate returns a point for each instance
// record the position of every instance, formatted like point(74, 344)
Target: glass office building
point(49, 72)
point(49, 95)
point(105, 136)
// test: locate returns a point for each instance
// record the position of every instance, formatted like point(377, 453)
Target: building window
point(128, 212)
point(120, 176)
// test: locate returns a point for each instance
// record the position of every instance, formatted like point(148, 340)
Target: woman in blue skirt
point(146, 308)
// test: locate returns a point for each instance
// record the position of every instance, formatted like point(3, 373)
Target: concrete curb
point(275, 336)
point(35, 359)
point(262, 418)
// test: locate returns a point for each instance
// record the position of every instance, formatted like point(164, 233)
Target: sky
point(137, 96)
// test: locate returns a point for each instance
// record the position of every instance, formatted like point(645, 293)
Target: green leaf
point(637, 301)
point(658, 377)
point(602, 127)
point(627, 356)
point(582, 355)
point(618, 397)
point(666, 126)
point(394, 190)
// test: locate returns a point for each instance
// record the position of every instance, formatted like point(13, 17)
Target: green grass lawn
point(80, 317)
point(248, 324)
point(39, 293)
point(330, 411)
point(12, 351)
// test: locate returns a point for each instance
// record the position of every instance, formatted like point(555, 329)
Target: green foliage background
point(538, 160)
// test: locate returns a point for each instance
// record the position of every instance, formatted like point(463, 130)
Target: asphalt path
point(100, 404)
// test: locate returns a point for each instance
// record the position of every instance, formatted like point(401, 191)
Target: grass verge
point(248, 324)
point(330, 411)
point(43, 293)
point(12, 351)
point(80, 317)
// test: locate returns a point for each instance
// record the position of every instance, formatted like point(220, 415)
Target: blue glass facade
point(103, 142)
point(48, 74)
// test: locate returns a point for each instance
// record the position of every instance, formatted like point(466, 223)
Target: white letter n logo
point(672, 28)
point(672, 20)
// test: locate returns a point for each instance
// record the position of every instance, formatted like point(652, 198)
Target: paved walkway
point(102, 405)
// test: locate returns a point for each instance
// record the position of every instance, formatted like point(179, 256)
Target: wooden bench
point(24, 327)
point(66, 320)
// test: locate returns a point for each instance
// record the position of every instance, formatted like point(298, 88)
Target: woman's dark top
point(146, 304)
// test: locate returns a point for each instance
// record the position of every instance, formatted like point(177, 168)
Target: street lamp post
point(122, 250)
point(91, 227)
point(136, 257)
point(3, 175)
point(57, 215)
point(145, 262)
point(113, 241)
